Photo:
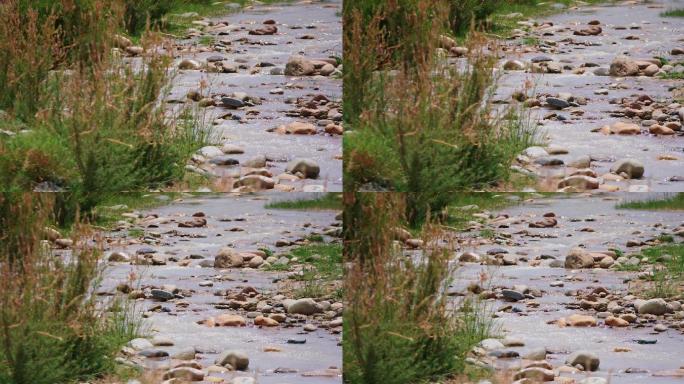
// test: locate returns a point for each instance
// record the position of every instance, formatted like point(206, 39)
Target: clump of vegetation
point(669, 202)
point(676, 12)
point(84, 120)
point(400, 325)
point(418, 122)
point(667, 273)
point(322, 271)
point(52, 329)
point(331, 200)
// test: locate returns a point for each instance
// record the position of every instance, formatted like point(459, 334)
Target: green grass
point(206, 40)
point(326, 201)
point(532, 41)
point(136, 232)
point(675, 202)
point(628, 268)
point(672, 76)
point(322, 270)
point(668, 272)
point(678, 12)
point(325, 260)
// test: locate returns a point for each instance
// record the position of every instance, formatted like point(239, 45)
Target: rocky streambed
point(604, 83)
point(213, 277)
point(267, 80)
point(564, 308)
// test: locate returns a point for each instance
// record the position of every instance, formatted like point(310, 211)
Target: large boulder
point(633, 168)
point(624, 66)
point(236, 359)
point(297, 65)
point(306, 306)
point(652, 307)
point(579, 258)
point(228, 258)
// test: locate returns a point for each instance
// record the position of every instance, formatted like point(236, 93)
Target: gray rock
point(557, 102)
point(153, 353)
point(602, 72)
point(162, 295)
point(258, 161)
point(224, 160)
point(652, 306)
point(580, 162)
point(238, 360)
point(210, 151)
point(535, 152)
point(631, 167)
point(491, 344)
point(185, 354)
point(512, 295)
point(306, 306)
point(140, 344)
point(536, 354)
point(231, 102)
point(228, 258)
point(308, 167)
point(588, 360)
point(548, 161)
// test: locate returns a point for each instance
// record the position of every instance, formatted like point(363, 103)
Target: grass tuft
point(677, 12)
point(672, 202)
point(400, 325)
point(322, 201)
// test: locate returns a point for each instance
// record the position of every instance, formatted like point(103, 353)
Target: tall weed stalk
point(400, 325)
point(52, 330)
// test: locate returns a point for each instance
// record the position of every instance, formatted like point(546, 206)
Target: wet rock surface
point(268, 82)
point(598, 89)
point(213, 309)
